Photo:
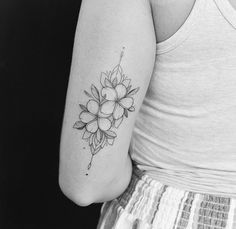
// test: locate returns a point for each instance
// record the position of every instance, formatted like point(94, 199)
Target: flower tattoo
point(106, 109)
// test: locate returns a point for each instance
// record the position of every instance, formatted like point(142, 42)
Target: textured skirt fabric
point(149, 204)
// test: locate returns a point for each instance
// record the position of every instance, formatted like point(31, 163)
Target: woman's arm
point(113, 58)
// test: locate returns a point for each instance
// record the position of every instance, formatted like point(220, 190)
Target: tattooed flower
point(94, 119)
point(106, 109)
point(116, 101)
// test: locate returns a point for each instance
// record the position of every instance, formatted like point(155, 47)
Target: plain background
point(36, 41)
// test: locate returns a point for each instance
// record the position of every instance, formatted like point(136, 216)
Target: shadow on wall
point(36, 40)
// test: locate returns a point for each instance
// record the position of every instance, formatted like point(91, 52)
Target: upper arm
point(114, 53)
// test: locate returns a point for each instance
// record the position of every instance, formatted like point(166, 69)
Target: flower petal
point(109, 93)
point(92, 126)
point(108, 107)
point(93, 106)
point(86, 116)
point(120, 90)
point(126, 102)
point(104, 124)
point(102, 115)
point(118, 111)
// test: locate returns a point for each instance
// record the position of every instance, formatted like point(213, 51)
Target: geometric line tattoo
point(106, 108)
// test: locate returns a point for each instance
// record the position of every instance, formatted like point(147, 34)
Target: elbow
point(77, 195)
point(70, 184)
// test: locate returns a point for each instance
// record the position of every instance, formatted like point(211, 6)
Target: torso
point(184, 134)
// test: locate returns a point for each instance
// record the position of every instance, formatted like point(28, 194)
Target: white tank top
point(185, 132)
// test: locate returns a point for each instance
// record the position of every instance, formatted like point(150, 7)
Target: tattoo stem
point(121, 55)
point(90, 163)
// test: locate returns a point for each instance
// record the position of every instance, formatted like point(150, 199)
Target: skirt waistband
point(145, 176)
point(147, 204)
point(153, 201)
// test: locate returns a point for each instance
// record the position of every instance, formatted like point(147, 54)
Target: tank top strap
point(185, 29)
point(227, 10)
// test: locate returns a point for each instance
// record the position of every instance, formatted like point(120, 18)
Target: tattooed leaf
point(128, 88)
point(126, 82)
point(86, 134)
point(113, 122)
point(110, 134)
point(95, 92)
point(110, 141)
point(122, 78)
point(98, 142)
point(103, 78)
point(117, 72)
point(79, 125)
point(117, 122)
point(103, 143)
point(108, 74)
point(88, 94)
point(103, 139)
point(98, 135)
point(126, 113)
point(83, 107)
point(114, 82)
point(94, 142)
point(131, 109)
point(91, 149)
point(96, 150)
point(91, 139)
point(117, 68)
point(134, 91)
point(108, 83)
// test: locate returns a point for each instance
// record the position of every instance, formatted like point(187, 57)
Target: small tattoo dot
point(83, 147)
point(86, 174)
